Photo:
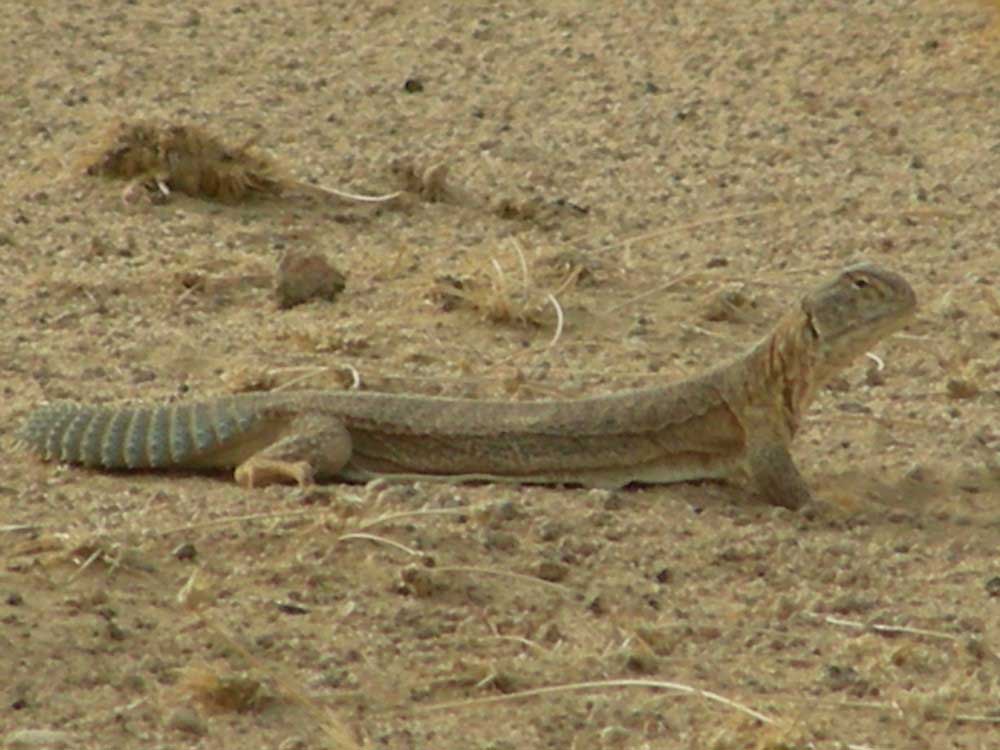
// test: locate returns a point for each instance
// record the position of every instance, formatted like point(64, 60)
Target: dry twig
point(600, 685)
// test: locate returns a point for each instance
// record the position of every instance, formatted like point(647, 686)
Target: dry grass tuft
point(223, 692)
point(160, 158)
point(80, 550)
point(184, 159)
point(499, 298)
point(427, 181)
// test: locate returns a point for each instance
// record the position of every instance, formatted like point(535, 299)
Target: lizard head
point(851, 312)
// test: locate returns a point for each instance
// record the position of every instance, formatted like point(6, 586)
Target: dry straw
point(161, 158)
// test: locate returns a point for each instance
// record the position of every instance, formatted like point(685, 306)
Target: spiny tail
point(133, 437)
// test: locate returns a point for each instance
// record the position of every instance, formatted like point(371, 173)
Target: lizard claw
point(259, 472)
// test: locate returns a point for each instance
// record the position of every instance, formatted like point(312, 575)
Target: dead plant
point(499, 297)
point(161, 157)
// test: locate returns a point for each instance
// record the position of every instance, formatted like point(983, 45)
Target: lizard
point(737, 420)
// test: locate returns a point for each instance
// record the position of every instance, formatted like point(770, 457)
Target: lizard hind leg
point(311, 446)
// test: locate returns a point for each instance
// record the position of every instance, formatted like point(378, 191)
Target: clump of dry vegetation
point(499, 298)
point(161, 157)
point(221, 691)
point(429, 181)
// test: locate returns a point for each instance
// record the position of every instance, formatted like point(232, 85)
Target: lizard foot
point(259, 472)
point(775, 477)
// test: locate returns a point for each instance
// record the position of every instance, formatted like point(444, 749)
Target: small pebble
point(551, 570)
point(993, 586)
point(961, 388)
point(186, 720)
point(302, 277)
point(291, 608)
point(615, 735)
point(185, 551)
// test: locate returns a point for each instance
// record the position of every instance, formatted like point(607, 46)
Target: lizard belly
point(688, 469)
point(679, 468)
point(700, 449)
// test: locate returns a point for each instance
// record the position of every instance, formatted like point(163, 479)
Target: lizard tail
point(132, 437)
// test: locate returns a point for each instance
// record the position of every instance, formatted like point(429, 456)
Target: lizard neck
point(783, 366)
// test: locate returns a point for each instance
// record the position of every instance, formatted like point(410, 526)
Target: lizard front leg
point(775, 477)
point(312, 445)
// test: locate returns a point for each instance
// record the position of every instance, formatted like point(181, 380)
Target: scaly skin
point(737, 419)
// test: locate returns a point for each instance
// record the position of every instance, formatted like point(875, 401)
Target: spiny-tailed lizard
point(735, 420)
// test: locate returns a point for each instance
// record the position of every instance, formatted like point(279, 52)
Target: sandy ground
point(674, 174)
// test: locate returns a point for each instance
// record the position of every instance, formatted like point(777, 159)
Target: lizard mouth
point(850, 345)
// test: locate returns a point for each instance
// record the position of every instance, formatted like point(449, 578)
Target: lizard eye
point(861, 283)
